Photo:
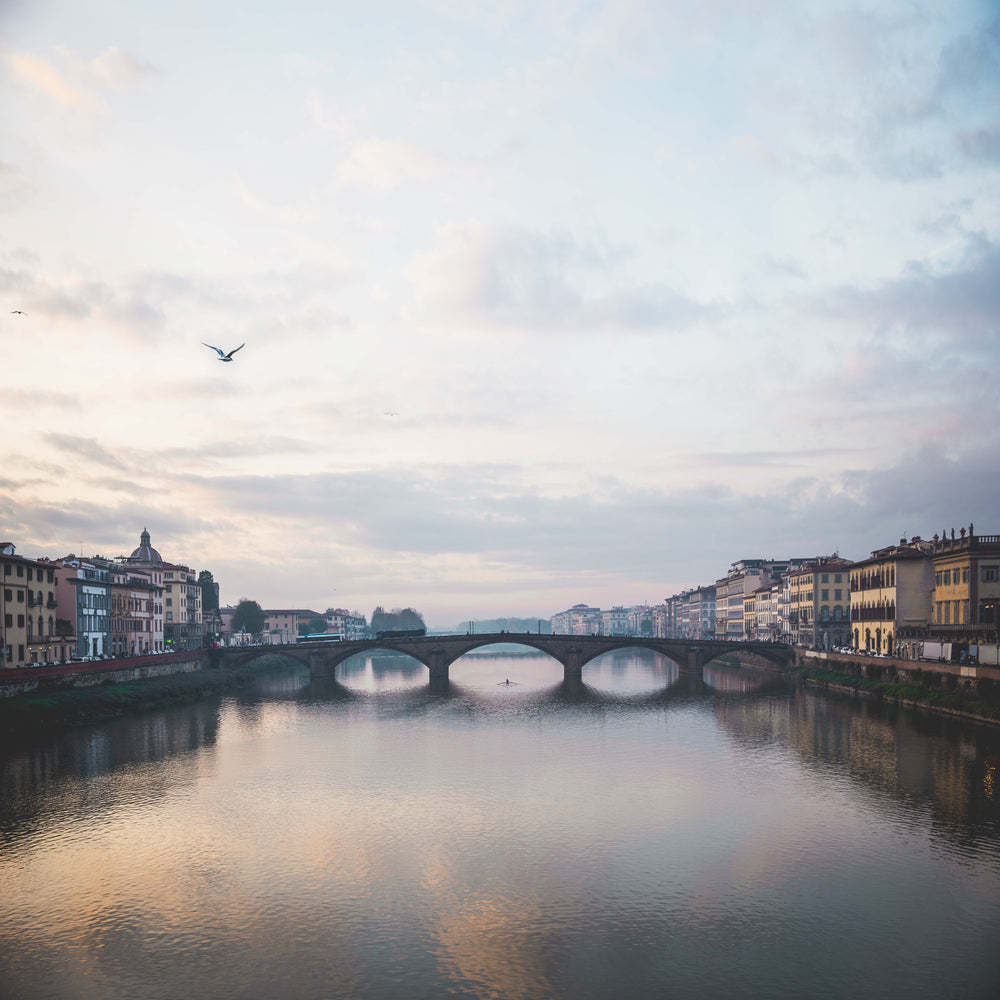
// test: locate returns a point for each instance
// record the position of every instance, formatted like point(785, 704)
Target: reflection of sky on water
point(485, 670)
point(500, 842)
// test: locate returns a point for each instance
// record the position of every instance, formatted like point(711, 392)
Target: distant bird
point(391, 413)
point(222, 355)
point(18, 312)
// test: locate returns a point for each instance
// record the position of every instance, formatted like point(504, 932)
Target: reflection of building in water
point(43, 781)
point(911, 758)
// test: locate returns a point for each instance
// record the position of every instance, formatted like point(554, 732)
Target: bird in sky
point(18, 312)
point(392, 413)
point(222, 354)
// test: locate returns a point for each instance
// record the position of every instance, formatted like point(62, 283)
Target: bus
point(321, 637)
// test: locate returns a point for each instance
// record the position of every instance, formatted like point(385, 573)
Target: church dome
point(145, 553)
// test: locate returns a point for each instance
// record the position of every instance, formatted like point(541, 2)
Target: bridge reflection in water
point(574, 652)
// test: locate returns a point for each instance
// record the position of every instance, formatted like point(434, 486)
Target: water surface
point(636, 835)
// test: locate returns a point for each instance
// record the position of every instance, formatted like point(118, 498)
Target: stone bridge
point(438, 652)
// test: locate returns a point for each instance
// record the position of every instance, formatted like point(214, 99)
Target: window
point(988, 611)
point(20, 621)
point(824, 595)
point(946, 577)
point(836, 595)
point(8, 595)
point(991, 574)
point(826, 578)
point(965, 575)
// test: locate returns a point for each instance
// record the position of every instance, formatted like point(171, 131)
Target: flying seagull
point(18, 312)
point(222, 355)
point(392, 413)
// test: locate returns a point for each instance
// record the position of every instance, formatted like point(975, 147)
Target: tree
point(398, 618)
point(316, 626)
point(209, 593)
point(64, 627)
point(248, 617)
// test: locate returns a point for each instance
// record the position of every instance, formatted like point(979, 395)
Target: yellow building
point(889, 592)
point(819, 599)
point(27, 610)
point(966, 585)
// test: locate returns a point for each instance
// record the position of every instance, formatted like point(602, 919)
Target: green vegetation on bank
point(62, 708)
point(921, 697)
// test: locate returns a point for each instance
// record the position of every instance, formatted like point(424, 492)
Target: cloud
point(15, 186)
point(385, 164)
point(16, 399)
point(959, 304)
point(980, 144)
point(86, 448)
point(515, 277)
point(77, 84)
point(46, 79)
point(118, 69)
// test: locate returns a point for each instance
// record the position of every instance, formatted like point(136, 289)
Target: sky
point(544, 302)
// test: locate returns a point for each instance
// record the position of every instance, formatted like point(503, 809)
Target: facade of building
point(280, 624)
point(182, 621)
point(351, 623)
point(766, 606)
point(581, 619)
point(891, 592)
point(28, 611)
point(614, 621)
point(745, 577)
point(136, 610)
point(966, 584)
point(964, 600)
point(819, 599)
point(182, 625)
point(83, 595)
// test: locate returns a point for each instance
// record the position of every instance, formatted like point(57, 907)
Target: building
point(29, 611)
point(83, 596)
point(964, 601)
point(136, 610)
point(182, 625)
point(702, 614)
point(581, 619)
point(351, 623)
point(182, 621)
point(891, 594)
point(614, 621)
point(767, 603)
point(819, 599)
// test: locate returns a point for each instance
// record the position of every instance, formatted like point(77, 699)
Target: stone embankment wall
point(971, 679)
point(77, 675)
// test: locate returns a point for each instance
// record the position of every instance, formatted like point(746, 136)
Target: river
point(635, 836)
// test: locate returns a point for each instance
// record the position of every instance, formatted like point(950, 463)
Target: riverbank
point(958, 703)
point(47, 711)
